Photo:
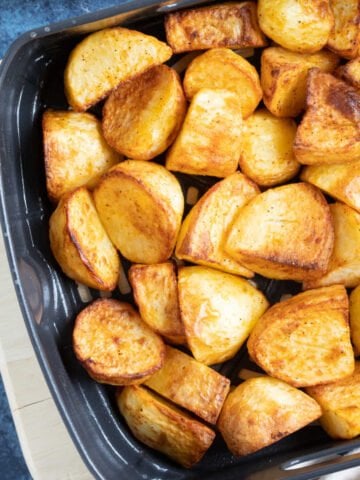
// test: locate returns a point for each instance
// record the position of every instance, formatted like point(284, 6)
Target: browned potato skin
point(190, 384)
point(114, 345)
point(261, 411)
point(305, 340)
point(350, 72)
point(232, 25)
point(142, 117)
point(344, 37)
point(284, 77)
point(354, 307)
point(329, 130)
point(162, 426)
point(156, 294)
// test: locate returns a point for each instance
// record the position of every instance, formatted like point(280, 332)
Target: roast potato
point(75, 151)
point(209, 141)
point(140, 205)
point(284, 233)
point(190, 384)
point(80, 244)
point(142, 117)
point(261, 411)
point(267, 149)
point(104, 59)
point(224, 69)
point(305, 340)
point(156, 294)
point(350, 72)
point(218, 311)
point(160, 425)
point(114, 345)
point(204, 230)
point(232, 25)
point(301, 26)
point(344, 37)
point(284, 77)
point(354, 307)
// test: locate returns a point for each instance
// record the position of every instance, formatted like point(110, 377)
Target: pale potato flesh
point(350, 72)
point(344, 37)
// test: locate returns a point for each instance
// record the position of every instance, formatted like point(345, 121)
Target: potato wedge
point(142, 117)
point(156, 294)
point(344, 37)
point(267, 149)
point(218, 310)
point(261, 411)
point(305, 340)
point(141, 206)
point(350, 72)
point(209, 141)
point(340, 403)
point(221, 68)
point(301, 26)
point(284, 233)
point(330, 129)
point(80, 244)
point(344, 265)
point(204, 230)
point(191, 385)
point(284, 77)
point(104, 59)
point(354, 307)
point(160, 425)
point(232, 25)
point(114, 345)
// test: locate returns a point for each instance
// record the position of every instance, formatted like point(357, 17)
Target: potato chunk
point(104, 59)
point(114, 345)
point(204, 230)
point(221, 68)
point(142, 117)
point(330, 129)
point(350, 72)
point(261, 411)
point(340, 403)
point(219, 311)
point(141, 206)
point(75, 151)
point(160, 425)
point(344, 37)
point(301, 26)
point(191, 385)
point(344, 265)
point(267, 155)
point(232, 25)
point(284, 77)
point(355, 319)
point(305, 340)
point(80, 244)
point(209, 141)
point(284, 233)
point(156, 294)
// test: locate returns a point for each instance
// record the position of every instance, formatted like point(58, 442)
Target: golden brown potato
point(204, 230)
point(344, 265)
point(232, 25)
point(354, 307)
point(224, 69)
point(301, 26)
point(261, 411)
point(305, 340)
point(160, 425)
point(104, 59)
point(142, 117)
point(156, 294)
point(80, 244)
point(267, 155)
point(284, 233)
point(191, 385)
point(284, 77)
point(209, 141)
point(344, 37)
point(350, 72)
point(114, 345)
point(219, 311)
point(75, 151)
point(340, 403)
point(329, 130)
point(140, 205)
